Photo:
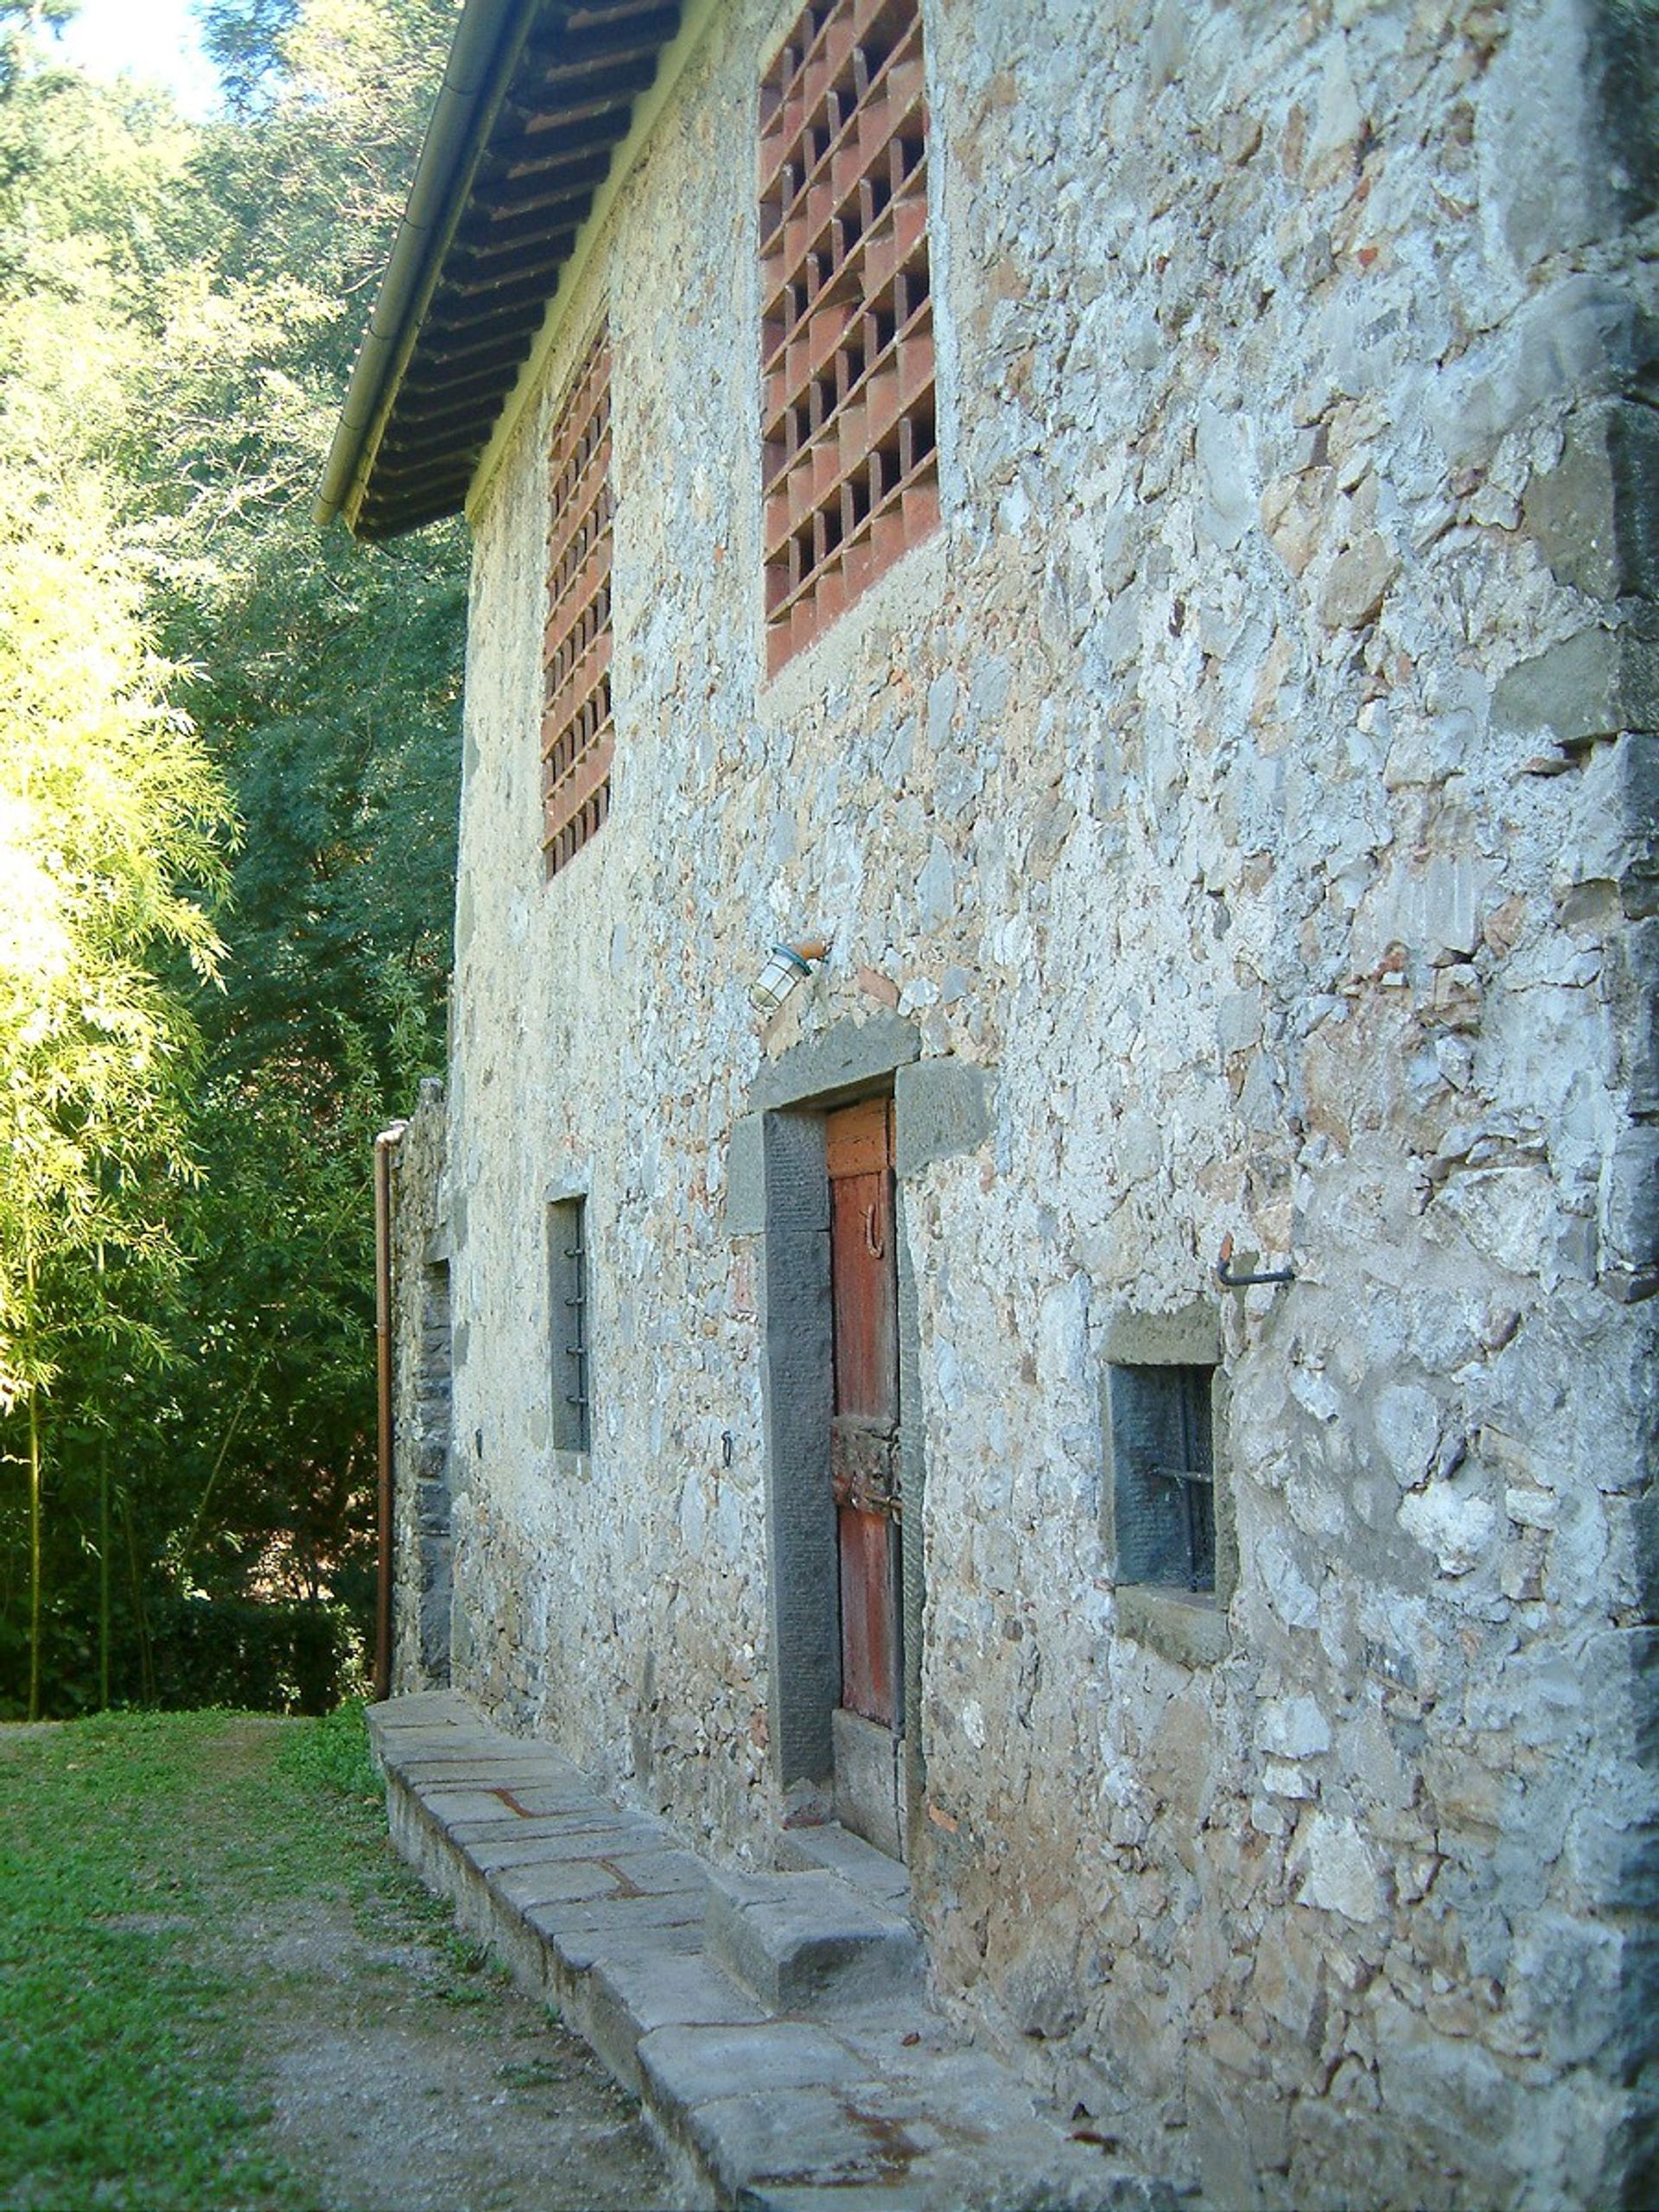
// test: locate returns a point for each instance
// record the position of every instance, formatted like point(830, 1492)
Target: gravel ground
point(398, 2084)
point(388, 2064)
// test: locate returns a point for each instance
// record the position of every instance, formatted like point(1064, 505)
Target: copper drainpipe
point(384, 1145)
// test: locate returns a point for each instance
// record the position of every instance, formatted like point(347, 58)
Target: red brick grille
point(578, 736)
point(847, 334)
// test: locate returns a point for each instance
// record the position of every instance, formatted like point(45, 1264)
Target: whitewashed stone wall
point(1256, 774)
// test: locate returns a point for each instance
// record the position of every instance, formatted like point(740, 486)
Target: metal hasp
point(1228, 1281)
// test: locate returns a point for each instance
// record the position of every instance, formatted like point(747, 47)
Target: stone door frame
point(778, 1194)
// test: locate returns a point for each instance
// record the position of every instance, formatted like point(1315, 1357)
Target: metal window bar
point(569, 1333)
point(1196, 1487)
point(1194, 1480)
point(576, 1307)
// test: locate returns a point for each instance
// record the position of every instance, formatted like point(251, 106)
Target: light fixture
point(785, 965)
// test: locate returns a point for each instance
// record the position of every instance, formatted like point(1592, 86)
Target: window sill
point(1188, 1627)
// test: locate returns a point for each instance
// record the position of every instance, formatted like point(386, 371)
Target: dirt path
point(385, 2100)
point(404, 2074)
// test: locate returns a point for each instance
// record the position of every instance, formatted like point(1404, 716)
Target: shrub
point(282, 1657)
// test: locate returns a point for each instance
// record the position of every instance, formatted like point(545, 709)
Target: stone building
point(1133, 527)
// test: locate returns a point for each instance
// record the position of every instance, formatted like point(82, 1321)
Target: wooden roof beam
point(647, 33)
point(534, 248)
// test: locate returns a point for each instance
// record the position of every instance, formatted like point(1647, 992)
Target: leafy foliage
point(145, 1859)
point(179, 307)
point(110, 818)
point(333, 1756)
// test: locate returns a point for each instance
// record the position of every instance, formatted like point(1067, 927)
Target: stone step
point(774, 2027)
point(836, 1850)
point(631, 1999)
point(811, 1943)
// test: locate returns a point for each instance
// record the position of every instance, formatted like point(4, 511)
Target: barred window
point(567, 1275)
point(1163, 1470)
point(578, 736)
point(850, 467)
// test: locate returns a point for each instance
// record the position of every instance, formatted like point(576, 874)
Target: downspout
point(384, 1146)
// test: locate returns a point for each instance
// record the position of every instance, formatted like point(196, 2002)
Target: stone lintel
point(1190, 1336)
point(847, 1058)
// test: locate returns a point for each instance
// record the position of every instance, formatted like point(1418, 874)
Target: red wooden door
point(864, 1435)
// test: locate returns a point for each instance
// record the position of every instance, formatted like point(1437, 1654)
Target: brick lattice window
point(578, 736)
point(851, 470)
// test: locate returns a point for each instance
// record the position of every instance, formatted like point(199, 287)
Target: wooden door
point(864, 1434)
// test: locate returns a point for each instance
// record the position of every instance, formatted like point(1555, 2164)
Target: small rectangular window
point(1163, 1475)
point(567, 1278)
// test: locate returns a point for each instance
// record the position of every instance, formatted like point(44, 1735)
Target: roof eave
point(486, 42)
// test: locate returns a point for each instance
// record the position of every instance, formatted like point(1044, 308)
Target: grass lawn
point(131, 1846)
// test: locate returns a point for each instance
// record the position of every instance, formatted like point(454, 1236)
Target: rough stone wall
point(420, 1358)
point(1256, 772)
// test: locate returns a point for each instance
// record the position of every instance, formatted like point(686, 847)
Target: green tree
point(329, 691)
point(110, 828)
point(179, 309)
point(111, 822)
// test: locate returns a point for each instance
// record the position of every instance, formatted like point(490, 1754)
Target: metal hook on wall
point(1228, 1281)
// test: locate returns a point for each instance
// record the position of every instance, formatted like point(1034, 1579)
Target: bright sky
point(155, 39)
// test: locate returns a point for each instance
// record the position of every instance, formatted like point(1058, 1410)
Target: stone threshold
point(774, 2027)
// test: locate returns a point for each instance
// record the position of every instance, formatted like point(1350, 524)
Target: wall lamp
point(785, 965)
